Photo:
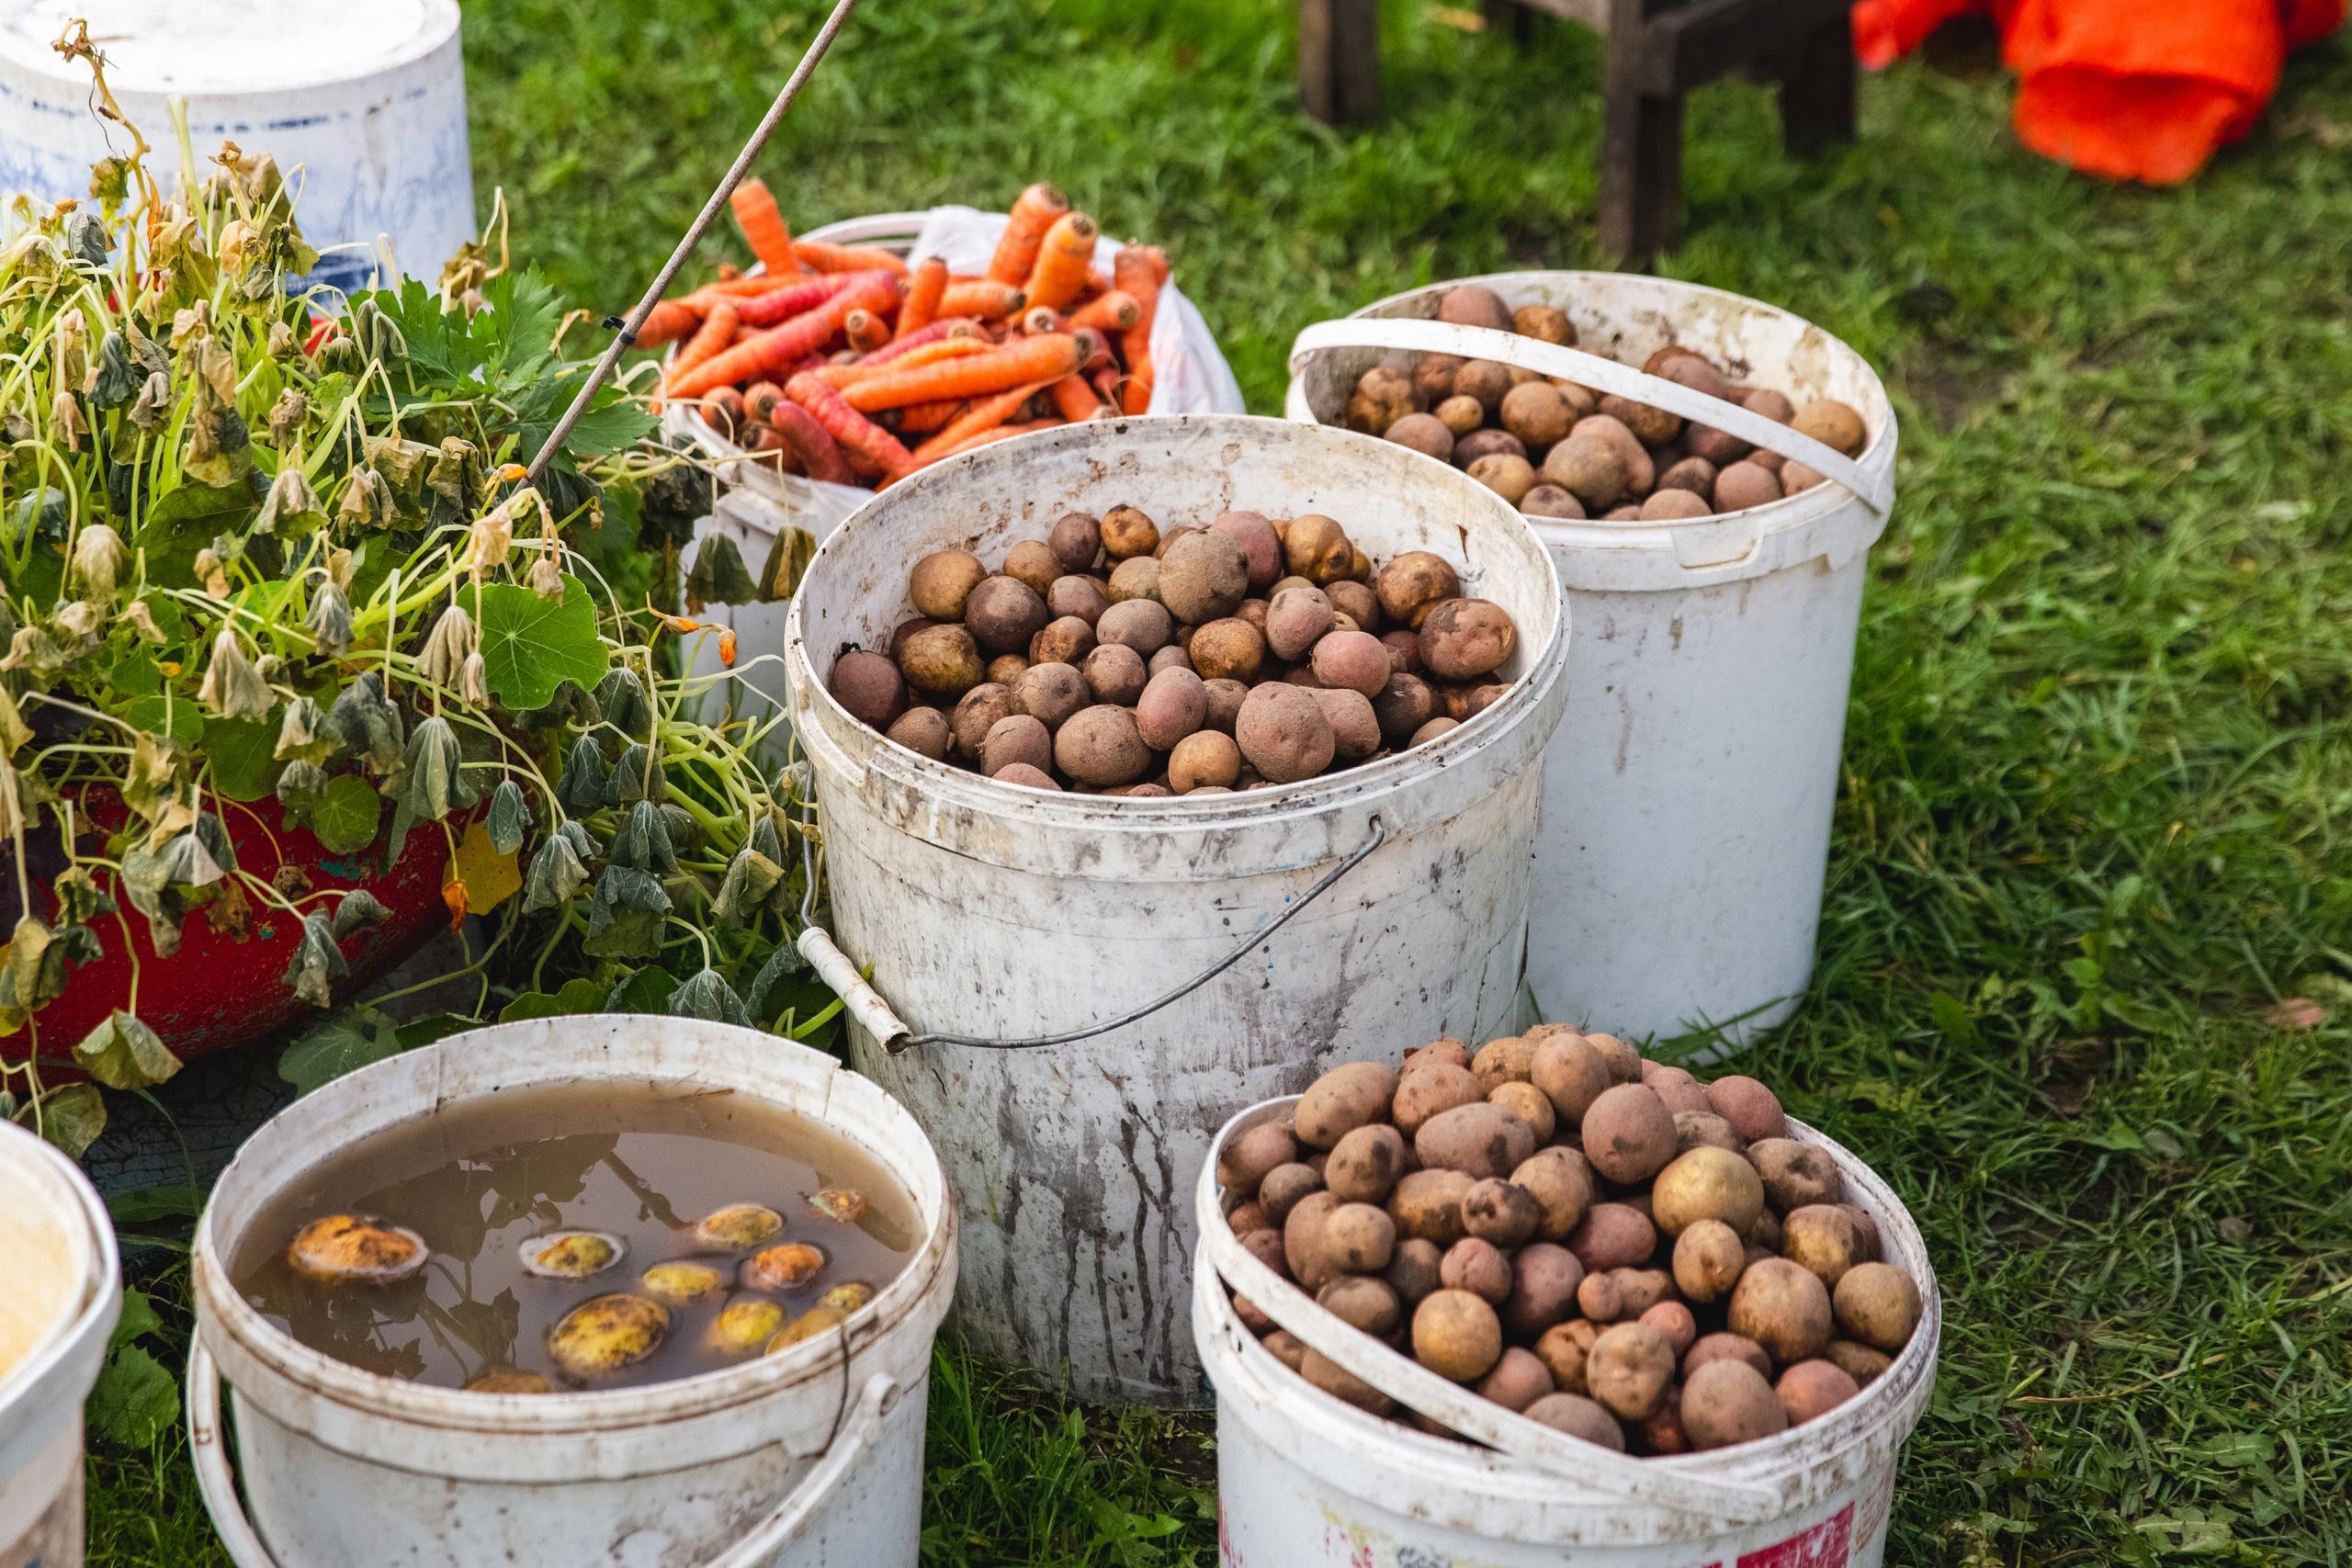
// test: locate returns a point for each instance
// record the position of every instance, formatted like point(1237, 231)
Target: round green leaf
point(346, 815)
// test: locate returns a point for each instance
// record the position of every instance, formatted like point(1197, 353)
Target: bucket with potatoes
point(1707, 474)
point(1160, 764)
point(1550, 1302)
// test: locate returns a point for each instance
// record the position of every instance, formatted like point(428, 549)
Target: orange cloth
point(2131, 89)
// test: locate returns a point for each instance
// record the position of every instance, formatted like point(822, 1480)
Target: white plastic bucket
point(810, 1456)
point(63, 1293)
point(369, 100)
point(989, 910)
point(1689, 791)
point(1306, 1481)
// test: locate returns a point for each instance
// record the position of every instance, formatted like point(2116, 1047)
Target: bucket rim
point(89, 1321)
point(1306, 798)
point(437, 25)
point(225, 1315)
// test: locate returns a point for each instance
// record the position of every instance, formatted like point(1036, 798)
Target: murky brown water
point(477, 1182)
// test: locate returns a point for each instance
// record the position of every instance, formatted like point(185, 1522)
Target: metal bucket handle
point(866, 1005)
point(1415, 334)
point(1722, 1502)
point(216, 1478)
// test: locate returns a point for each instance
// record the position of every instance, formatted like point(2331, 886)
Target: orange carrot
point(1094, 348)
point(667, 322)
point(1139, 270)
point(1062, 260)
point(1001, 433)
point(716, 332)
point(1028, 359)
point(782, 301)
point(944, 327)
point(728, 270)
point(762, 222)
point(865, 331)
point(863, 440)
point(1040, 318)
point(984, 299)
point(922, 296)
point(921, 419)
point(760, 400)
point(1076, 400)
point(821, 456)
point(827, 257)
point(1113, 312)
point(735, 287)
point(780, 346)
point(923, 354)
point(1034, 212)
point(985, 413)
point(723, 411)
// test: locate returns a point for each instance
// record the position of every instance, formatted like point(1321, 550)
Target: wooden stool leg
point(1641, 176)
point(1339, 60)
point(1817, 94)
point(1509, 16)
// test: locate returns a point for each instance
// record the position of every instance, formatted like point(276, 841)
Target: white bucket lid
point(201, 47)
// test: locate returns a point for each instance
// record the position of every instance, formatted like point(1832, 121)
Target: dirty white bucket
point(1306, 1481)
point(63, 1293)
point(805, 1458)
point(1688, 793)
point(988, 911)
point(369, 100)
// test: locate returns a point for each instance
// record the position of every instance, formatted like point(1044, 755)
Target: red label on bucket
point(1826, 1545)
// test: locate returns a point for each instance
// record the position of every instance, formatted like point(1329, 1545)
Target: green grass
point(2099, 768)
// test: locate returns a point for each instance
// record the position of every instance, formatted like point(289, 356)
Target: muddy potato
point(1433, 378)
point(1766, 1232)
point(1562, 1184)
point(1543, 1283)
point(1358, 1238)
point(607, 1333)
point(1128, 533)
point(1717, 447)
point(1172, 704)
point(1303, 1250)
point(1284, 1185)
point(1613, 1236)
point(1172, 657)
point(1205, 759)
point(1546, 322)
point(1528, 1103)
point(1461, 415)
point(1225, 697)
point(1352, 1095)
point(738, 1227)
point(1824, 1238)
point(1484, 380)
point(1865, 1233)
point(1457, 1335)
point(1317, 549)
point(1404, 704)
point(1832, 423)
point(1425, 434)
point(1474, 305)
point(1063, 641)
point(1296, 618)
point(1487, 443)
point(1261, 548)
point(1706, 1183)
point(1365, 1302)
point(1282, 732)
point(1479, 1140)
point(1099, 746)
point(1429, 1088)
point(1549, 499)
point(1134, 578)
point(1462, 640)
point(1628, 1133)
point(1601, 1298)
point(1782, 1307)
point(1859, 1361)
point(1571, 1073)
point(924, 731)
point(977, 712)
point(1796, 477)
point(1744, 484)
point(1704, 1129)
point(1507, 474)
point(1728, 1402)
point(1114, 674)
point(1624, 1061)
point(1228, 649)
point(943, 581)
point(1204, 577)
point(1248, 1218)
point(1629, 1367)
point(1695, 475)
point(1444, 1049)
point(1517, 1381)
point(1243, 1161)
point(1477, 1266)
point(1034, 562)
point(869, 686)
point(1708, 1259)
point(1796, 1174)
point(1642, 1289)
point(1142, 624)
point(1384, 395)
point(1285, 1347)
point(1675, 1087)
point(1412, 1270)
point(1365, 1164)
point(1355, 662)
point(1075, 540)
point(1413, 584)
point(1652, 426)
point(351, 1249)
point(1050, 694)
point(1641, 470)
point(1427, 1204)
point(1027, 777)
point(1676, 1322)
point(1537, 412)
point(1341, 1384)
point(1581, 1418)
point(1720, 1346)
point(1563, 1349)
point(1589, 468)
point(1813, 1388)
point(1878, 1305)
point(1753, 1110)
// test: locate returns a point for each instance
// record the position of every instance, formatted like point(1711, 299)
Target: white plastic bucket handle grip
point(1722, 1502)
point(216, 1478)
point(1415, 334)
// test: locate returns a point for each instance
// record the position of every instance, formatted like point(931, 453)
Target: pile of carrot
point(848, 364)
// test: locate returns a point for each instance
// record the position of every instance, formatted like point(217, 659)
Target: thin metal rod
point(701, 225)
point(1379, 837)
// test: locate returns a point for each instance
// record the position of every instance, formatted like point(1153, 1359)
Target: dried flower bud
point(142, 619)
point(98, 559)
point(330, 617)
point(282, 340)
point(452, 642)
point(65, 413)
point(474, 680)
point(491, 541)
point(212, 573)
point(79, 622)
point(153, 405)
point(289, 496)
point(287, 414)
point(547, 576)
point(232, 688)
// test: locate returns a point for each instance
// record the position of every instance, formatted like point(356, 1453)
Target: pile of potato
point(1599, 1242)
point(1116, 658)
point(1555, 449)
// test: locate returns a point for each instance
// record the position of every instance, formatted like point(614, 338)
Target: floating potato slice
point(571, 1255)
point(681, 1283)
point(350, 1249)
point(808, 1325)
point(844, 1205)
point(743, 1326)
point(789, 1266)
point(508, 1380)
point(848, 1296)
point(607, 1333)
point(738, 1227)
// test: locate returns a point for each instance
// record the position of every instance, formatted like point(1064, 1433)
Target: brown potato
point(1366, 1163)
point(1303, 1250)
point(1642, 1289)
point(1479, 444)
point(1477, 1266)
point(1624, 1061)
point(1729, 1402)
point(1813, 1388)
point(1383, 395)
point(1537, 412)
point(1641, 471)
point(1433, 378)
point(1427, 1204)
point(1172, 657)
point(1708, 1259)
point(1350, 1095)
point(1460, 415)
point(1501, 1061)
point(1353, 661)
point(1858, 1361)
point(1562, 1184)
point(1464, 638)
point(1796, 1174)
point(1284, 1185)
point(1782, 1307)
point(1628, 1133)
point(1428, 1088)
point(1704, 1129)
point(1824, 1238)
point(1589, 468)
point(1457, 1335)
point(1137, 577)
point(1579, 1418)
point(1204, 577)
point(1507, 474)
point(1171, 705)
point(1517, 1381)
point(1653, 425)
point(1601, 1298)
point(869, 686)
point(1479, 1140)
point(1007, 668)
point(1832, 423)
point(1016, 738)
point(1425, 434)
point(1034, 562)
point(1317, 549)
point(1571, 1073)
point(1358, 1238)
point(1404, 704)
point(1673, 506)
point(1527, 1102)
point(1548, 499)
point(1050, 694)
point(942, 580)
point(1674, 1086)
point(977, 712)
point(1412, 585)
point(1706, 1184)
point(1717, 447)
point(1412, 1273)
point(1142, 624)
point(1694, 474)
point(1474, 305)
point(1445, 1049)
point(941, 661)
point(1022, 773)
point(1563, 1349)
point(1878, 1305)
point(1225, 697)
point(1296, 618)
point(1281, 731)
point(1727, 1348)
point(1753, 1110)
point(923, 730)
point(1244, 1161)
point(1544, 1279)
point(1766, 1232)
point(1063, 641)
point(1341, 1384)
point(1744, 484)
point(1114, 674)
point(1207, 759)
point(1261, 549)
point(1629, 1367)
point(1548, 322)
point(1866, 1232)
point(1075, 540)
point(1228, 649)
point(1797, 478)
point(1084, 597)
point(1099, 746)
point(1363, 1302)
point(1128, 532)
point(1675, 1321)
point(1484, 380)
point(1613, 1236)
point(1250, 1216)
point(1284, 1347)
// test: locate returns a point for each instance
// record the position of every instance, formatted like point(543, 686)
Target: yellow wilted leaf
point(488, 879)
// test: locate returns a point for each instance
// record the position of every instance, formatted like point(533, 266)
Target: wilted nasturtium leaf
point(123, 1052)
